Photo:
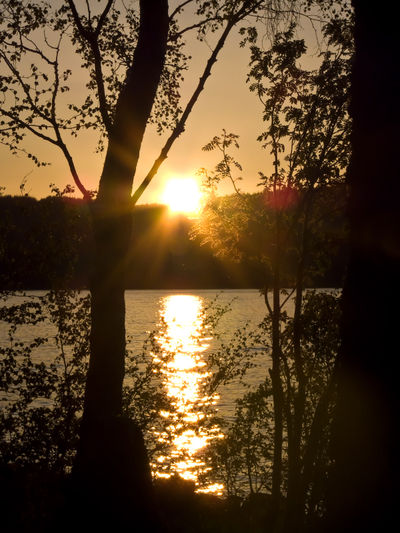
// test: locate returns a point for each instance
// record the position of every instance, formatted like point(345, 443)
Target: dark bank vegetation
point(48, 243)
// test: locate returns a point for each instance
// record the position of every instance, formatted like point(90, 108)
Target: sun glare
point(182, 195)
point(182, 341)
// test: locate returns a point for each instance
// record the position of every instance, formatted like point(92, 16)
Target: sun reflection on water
point(183, 340)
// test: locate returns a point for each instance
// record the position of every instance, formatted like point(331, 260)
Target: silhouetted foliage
point(243, 460)
point(34, 253)
point(307, 135)
point(43, 364)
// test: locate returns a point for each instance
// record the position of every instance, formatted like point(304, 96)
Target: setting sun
point(182, 195)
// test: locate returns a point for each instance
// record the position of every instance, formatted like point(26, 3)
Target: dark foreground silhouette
point(34, 501)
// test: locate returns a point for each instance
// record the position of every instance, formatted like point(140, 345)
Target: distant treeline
point(47, 243)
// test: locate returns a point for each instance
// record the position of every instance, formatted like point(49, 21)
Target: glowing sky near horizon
point(226, 103)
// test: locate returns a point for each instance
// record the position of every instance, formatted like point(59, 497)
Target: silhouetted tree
point(307, 134)
point(147, 48)
point(366, 445)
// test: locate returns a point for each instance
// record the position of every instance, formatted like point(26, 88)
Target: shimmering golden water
point(183, 340)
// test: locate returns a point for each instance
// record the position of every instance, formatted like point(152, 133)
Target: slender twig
point(179, 8)
point(89, 14)
point(56, 84)
point(195, 26)
point(24, 88)
point(27, 126)
point(92, 38)
point(286, 299)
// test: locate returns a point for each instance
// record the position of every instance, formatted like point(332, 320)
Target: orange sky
point(225, 103)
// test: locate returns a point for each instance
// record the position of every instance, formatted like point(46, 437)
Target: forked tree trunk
point(111, 466)
point(366, 446)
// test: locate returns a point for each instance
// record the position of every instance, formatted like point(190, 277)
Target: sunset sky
point(225, 103)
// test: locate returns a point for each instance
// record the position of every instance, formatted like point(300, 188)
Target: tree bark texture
point(366, 446)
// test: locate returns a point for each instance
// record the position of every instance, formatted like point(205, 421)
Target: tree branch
point(180, 127)
point(135, 102)
point(27, 126)
point(103, 17)
point(24, 88)
point(82, 30)
point(194, 26)
point(179, 8)
point(92, 38)
point(101, 93)
point(85, 193)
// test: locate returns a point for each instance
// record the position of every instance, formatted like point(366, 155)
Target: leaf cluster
point(308, 138)
point(42, 378)
point(306, 111)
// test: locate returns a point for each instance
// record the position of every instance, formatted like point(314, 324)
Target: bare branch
point(180, 127)
point(56, 85)
point(270, 311)
point(101, 93)
point(195, 26)
point(179, 8)
point(85, 193)
point(287, 298)
point(89, 14)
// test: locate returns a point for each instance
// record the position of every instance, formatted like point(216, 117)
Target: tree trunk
point(295, 505)
point(366, 446)
point(107, 339)
point(277, 394)
point(112, 467)
point(275, 374)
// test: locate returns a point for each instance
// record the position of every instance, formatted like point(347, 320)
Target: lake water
point(179, 317)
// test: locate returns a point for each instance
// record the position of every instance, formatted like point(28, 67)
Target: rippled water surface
point(184, 340)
